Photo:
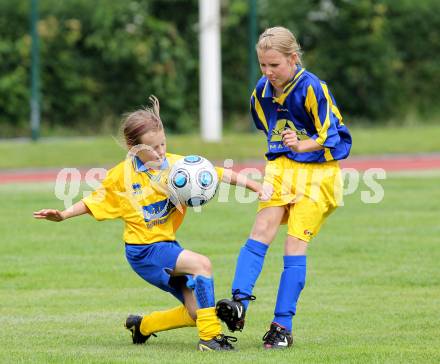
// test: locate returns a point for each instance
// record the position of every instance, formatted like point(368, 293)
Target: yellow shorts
point(308, 191)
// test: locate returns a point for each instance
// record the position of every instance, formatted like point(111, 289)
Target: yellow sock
point(208, 323)
point(166, 320)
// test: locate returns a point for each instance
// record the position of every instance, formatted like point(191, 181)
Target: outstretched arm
point(238, 179)
point(77, 209)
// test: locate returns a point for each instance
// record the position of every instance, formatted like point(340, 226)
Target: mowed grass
point(107, 151)
point(372, 292)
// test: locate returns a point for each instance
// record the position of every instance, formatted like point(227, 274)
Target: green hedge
point(101, 58)
point(379, 57)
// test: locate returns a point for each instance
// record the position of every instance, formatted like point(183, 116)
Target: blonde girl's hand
point(290, 139)
point(49, 214)
point(266, 192)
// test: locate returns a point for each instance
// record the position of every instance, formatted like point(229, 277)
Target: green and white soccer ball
point(193, 181)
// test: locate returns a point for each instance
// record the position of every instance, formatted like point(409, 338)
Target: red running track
point(388, 163)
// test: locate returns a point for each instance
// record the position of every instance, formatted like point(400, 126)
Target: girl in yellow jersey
point(134, 191)
point(305, 139)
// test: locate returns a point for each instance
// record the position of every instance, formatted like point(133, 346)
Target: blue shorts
point(154, 262)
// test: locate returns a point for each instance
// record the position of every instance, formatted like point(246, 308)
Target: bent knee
point(264, 231)
point(267, 223)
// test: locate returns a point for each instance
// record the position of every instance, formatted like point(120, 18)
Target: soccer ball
point(193, 181)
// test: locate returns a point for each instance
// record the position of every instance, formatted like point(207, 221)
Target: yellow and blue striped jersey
point(306, 106)
point(139, 196)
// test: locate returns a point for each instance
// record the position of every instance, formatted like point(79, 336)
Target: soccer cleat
point(232, 312)
point(218, 343)
point(133, 324)
point(277, 337)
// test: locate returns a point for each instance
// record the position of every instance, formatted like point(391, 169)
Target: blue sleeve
point(258, 124)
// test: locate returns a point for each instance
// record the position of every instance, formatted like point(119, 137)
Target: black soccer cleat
point(133, 324)
point(232, 312)
point(277, 337)
point(218, 343)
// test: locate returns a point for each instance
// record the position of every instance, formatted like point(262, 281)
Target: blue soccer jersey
point(307, 107)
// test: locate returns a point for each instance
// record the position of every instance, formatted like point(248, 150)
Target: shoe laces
point(273, 335)
point(244, 298)
point(223, 340)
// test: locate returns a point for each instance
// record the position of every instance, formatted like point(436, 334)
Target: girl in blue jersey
point(305, 139)
point(134, 192)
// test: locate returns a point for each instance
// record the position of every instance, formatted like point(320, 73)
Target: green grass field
point(106, 151)
point(372, 292)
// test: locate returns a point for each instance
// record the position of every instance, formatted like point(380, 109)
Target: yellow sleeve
point(105, 202)
point(219, 171)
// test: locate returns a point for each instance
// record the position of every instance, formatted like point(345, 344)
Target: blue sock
point(292, 282)
point(249, 264)
point(203, 291)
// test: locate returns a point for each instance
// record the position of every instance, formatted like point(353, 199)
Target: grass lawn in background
point(372, 290)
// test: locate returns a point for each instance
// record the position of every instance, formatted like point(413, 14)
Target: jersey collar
point(139, 166)
point(268, 88)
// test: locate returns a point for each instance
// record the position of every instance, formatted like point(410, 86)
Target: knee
point(264, 231)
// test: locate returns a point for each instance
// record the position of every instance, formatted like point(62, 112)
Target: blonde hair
point(280, 39)
point(139, 122)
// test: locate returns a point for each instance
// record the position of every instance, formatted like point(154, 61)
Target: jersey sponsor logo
point(308, 232)
point(302, 134)
point(283, 124)
point(137, 189)
point(280, 126)
point(277, 146)
point(157, 222)
point(158, 210)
